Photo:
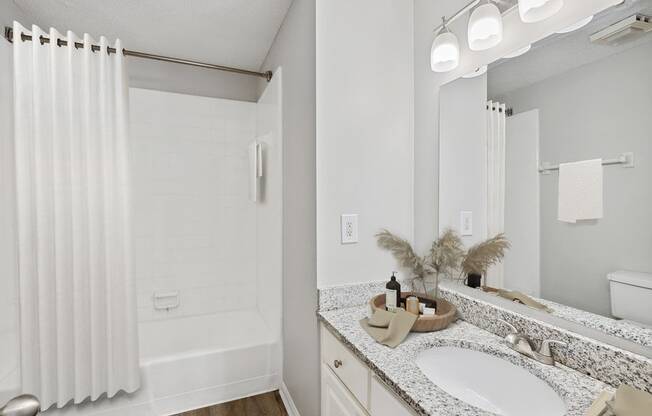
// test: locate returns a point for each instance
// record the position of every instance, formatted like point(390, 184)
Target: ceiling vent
point(628, 29)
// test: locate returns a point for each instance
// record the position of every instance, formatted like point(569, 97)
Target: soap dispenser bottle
point(392, 294)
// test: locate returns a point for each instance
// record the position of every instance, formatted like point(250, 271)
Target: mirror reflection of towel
point(519, 297)
point(580, 191)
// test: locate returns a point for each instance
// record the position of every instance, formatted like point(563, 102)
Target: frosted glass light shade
point(445, 52)
point(577, 25)
point(485, 28)
point(537, 10)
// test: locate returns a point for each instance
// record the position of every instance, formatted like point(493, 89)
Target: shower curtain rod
point(9, 35)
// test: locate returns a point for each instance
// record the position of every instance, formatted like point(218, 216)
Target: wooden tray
point(425, 323)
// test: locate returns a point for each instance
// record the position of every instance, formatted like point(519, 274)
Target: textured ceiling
point(562, 52)
point(228, 32)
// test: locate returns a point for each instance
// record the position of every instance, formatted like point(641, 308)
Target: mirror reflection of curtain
point(495, 181)
point(77, 302)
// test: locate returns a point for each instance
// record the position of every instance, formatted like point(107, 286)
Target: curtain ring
point(42, 39)
point(23, 36)
point(59, 42)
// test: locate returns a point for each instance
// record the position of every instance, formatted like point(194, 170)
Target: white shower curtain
point(495, 181)
point(77, 305)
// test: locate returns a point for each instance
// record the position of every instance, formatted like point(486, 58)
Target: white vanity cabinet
point(336, 399)
point(348, 387)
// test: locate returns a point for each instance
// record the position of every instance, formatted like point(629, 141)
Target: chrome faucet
point(522, 344)
point(23, 405)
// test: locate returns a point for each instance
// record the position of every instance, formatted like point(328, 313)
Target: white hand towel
point(580, 191)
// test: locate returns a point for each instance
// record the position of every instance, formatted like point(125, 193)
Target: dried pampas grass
point(446, 256)
point(402, 251)
point(446, 252)
point(482, 256)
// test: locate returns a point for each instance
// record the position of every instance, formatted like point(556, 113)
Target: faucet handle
point(544, 349)
point(511, 327)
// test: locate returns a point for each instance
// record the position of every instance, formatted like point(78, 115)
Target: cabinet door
point(383, 402)
point(350, 370)
point(336, 400)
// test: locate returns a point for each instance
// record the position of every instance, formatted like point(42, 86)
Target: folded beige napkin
point(632, 402)
point(389, 328)
point(599, 406)
point(627, 401)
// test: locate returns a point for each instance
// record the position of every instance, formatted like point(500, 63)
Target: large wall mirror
point(552, 145)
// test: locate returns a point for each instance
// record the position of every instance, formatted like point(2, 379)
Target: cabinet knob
point(337, 363)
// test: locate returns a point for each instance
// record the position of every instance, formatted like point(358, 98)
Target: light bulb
point(485, 28)
point(577, 25)
point(445, 52)
point(537, 10)
point(476, 73)
point(518, 52)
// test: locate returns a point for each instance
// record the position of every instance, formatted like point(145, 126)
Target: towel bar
point(625, 159)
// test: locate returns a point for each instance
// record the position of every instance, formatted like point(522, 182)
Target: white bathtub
point(193, 362)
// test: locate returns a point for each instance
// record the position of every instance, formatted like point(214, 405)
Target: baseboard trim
point(287, 400)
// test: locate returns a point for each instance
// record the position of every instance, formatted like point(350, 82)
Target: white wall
point(9, 12)
point(294, 50)
point(463, 156)
point(194, 227)
point(269, 208)
point(164, 76)
point(522, 212)
point(364, 133)
point(597, 110)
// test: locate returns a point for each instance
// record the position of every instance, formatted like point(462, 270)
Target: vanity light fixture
point(485, 29)
point(476, 73)
point(532, 11)
point(445, 51)
point(577, 25)
point(518, 52)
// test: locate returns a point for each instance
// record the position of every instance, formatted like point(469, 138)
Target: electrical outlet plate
point(466, 223)
point(349, 228)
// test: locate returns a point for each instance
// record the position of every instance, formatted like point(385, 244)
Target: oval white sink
point(489, 382)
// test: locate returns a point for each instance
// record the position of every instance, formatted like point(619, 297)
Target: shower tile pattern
point(194, 227)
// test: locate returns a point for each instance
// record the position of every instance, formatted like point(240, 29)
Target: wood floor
point(267, 404)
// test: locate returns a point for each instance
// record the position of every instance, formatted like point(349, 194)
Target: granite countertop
point(397, 367)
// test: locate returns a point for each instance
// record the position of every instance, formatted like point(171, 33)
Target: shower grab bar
point(625, 159)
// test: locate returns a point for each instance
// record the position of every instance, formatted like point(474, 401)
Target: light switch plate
point(466, 223)
point(349, 228)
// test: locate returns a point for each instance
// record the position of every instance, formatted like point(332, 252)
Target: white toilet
point(631, 296)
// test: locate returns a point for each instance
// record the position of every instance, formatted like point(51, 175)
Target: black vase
point(473, 280)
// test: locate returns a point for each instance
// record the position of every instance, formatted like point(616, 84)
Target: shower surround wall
point(195, 234)
point(194, 227)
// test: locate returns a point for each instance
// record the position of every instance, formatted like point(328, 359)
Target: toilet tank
point(631, 296)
